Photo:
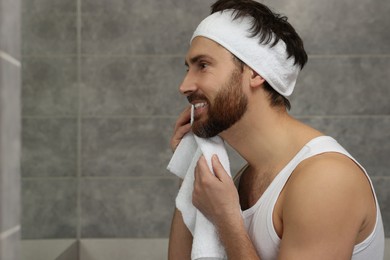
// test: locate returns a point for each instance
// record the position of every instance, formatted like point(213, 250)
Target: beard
point(228, 107)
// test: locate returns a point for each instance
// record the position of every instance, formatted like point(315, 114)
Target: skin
point(327, 205)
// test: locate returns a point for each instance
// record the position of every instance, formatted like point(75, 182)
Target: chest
point(252, 187)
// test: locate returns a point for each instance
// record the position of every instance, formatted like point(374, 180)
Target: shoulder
point(329, 189)
point(326, 203)
point(329, 171)
point(331, 174)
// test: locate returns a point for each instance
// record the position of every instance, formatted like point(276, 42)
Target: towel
point(271, 62)
point(206, 243)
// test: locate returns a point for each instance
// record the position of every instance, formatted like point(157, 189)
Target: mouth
point(199, 105)
point(200, 108)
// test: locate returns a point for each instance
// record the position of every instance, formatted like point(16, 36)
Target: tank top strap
point(324, 144)
point(316, 146)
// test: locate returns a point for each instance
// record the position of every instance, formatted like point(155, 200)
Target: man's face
point(227, 108)
point(213, 85)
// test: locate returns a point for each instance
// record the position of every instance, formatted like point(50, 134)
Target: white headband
point(271, 63)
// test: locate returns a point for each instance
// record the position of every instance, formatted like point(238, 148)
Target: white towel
point(206, 243)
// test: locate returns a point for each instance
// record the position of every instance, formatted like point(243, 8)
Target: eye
point(203, 65)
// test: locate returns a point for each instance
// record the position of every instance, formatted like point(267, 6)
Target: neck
point(268, 138)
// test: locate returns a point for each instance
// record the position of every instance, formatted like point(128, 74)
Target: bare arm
point(180, 239)
point(236, 241)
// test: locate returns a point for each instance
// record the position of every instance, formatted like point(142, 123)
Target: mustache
point(196, 96)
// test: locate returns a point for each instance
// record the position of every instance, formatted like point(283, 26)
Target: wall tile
point(10, 129)
point(365, 138)
point(132, 86)
point(126, 146)
point(339, 27)
point(49, 147)
point(133, 32)
point(131, 208)
point(49, 34)
point(50, 86)
point(10, 145)
point(140, 26)
point(49, 208)
point(343, 86)
point(9, 199)
point(200, 7)
point(10, 97)
point(381, 186)
point(49, 6)
point(10, 27)
point(122, 147)
point(132, 147)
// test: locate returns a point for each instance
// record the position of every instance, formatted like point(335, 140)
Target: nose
point(188, 85)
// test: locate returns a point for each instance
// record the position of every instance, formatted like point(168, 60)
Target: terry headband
point(235, 35)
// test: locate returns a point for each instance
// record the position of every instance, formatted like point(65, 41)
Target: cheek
point(211, 94)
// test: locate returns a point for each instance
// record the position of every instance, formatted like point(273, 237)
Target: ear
point(256, 80)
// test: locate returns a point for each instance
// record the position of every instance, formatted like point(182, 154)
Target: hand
point(182, 127)
point(215, 195)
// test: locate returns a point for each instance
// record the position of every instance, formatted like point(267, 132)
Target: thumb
point(218, 169)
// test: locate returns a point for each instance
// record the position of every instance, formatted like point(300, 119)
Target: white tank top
point(258, 218)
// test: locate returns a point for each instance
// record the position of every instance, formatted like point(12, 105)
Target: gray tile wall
point(10, 129)
point(100, 97)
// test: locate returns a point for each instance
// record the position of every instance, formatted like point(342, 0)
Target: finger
point(181, 131)
point(203, 168)
point(184, 118)
point(202, 164)
point(178, 135)
point(182, 126)
point(218, 169)
point(198, 169)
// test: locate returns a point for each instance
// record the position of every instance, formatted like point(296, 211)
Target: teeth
point(199, 105)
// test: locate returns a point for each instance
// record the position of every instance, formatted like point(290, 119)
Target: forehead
point(204, 46)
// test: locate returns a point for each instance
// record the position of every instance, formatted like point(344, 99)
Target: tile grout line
point(96, 116)
point(352, 56)
point(78, 175)
point(174, 116)
point(173, 55)
point(9, 232)
point(167, 177)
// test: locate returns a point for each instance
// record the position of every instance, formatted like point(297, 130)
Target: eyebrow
point(196, 59)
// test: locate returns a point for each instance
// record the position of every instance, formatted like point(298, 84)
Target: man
point(301, 194)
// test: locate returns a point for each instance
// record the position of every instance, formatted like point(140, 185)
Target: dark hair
point(268, 26)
